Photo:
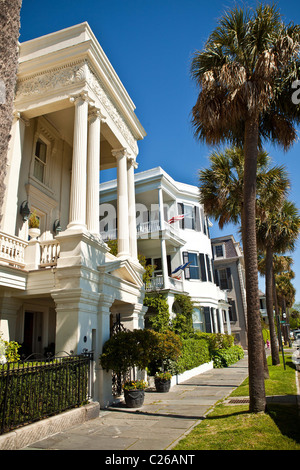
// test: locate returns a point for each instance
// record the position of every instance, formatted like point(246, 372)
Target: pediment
point(124, 269)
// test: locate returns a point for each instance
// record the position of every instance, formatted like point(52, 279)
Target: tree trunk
point(277, 315)
point(269, 304)
point(255, 341)
point(9, 35)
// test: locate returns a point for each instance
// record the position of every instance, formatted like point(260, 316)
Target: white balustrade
point(12, 250)
point(50, 251)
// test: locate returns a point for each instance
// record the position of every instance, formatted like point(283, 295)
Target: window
point(40, 160)
point(224, 276)
point(198, 320)
point(189, 221)
point(219, 251)
point(232, 310)
point(191, 218)
point(192, 271)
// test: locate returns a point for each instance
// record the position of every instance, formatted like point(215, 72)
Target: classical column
point(228, 321)
point(215, 322)
point(77, 216)
point(103, 379)
point(13, 172)
point(93, 171)
point(122, 202)
point(131, 165)
point(164, 263)
point(219, 313)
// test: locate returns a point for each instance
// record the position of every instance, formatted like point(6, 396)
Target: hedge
point(228, 356)
point(194, 353)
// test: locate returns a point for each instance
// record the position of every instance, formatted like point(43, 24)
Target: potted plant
point(162, 381)
point(168, 349)
point(128, 350)
point(134, 393)
point(34, 225)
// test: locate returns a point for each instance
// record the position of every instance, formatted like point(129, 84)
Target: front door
point(32, 333)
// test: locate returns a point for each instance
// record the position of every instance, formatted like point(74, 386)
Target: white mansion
point(61, 287)
point(172, 231)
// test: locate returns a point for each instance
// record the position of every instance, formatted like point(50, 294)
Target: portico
point(74, 119)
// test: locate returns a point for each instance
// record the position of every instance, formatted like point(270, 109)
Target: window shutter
point(229, 281)
point(202, 267)
point(180, 209)
point(232, 311)
point(186, 260)
point(217, 281)
point(197, 218)
point(207, 320)
point(169, 265)
point(208, 268)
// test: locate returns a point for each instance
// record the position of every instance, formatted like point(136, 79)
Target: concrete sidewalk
point(164, 419)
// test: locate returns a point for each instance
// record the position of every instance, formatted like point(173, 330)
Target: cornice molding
point(74, 73)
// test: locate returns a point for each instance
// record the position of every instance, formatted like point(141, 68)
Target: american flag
point(178, 271)
point(175, 218)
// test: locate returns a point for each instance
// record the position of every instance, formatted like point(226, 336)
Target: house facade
point(230, 277)
point(61, 288)
point(172, 231)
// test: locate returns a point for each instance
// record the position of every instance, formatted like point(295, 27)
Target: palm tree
point(221, 185)
point(221, 191)
point(285, 291)
point(9, 35)
point(277, 233)
point(245, 73)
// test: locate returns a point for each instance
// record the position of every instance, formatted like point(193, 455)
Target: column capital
point(132, 162)
point(120, 152)
point(19, 117)
point(95, 113)
point(80, 97)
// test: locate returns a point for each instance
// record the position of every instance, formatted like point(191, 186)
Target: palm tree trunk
point(255, 340)
point(269, 304)
point(9, 35)
point(277, 313)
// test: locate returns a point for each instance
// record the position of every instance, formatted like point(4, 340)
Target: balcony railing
point(12, 250)
point(148, 227)
point(50, 251)
point(144, 228)
point(157, 283)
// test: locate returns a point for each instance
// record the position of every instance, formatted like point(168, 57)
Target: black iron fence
point(34, 389)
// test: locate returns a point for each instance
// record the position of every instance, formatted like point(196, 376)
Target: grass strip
point(234, 428)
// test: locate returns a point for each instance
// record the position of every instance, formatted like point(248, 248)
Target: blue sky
point(150, 44)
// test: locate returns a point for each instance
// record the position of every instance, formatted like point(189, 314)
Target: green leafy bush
point(182, 323)
point(138, 348)
point(228, 356)
point(195, 352)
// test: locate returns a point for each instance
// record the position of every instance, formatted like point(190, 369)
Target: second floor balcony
point(150, 230)
point(157, 284)
point(17, 253)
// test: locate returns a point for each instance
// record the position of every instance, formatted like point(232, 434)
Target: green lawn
point(232, 427)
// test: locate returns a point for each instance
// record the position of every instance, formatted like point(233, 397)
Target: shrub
point(9, 351)
point(216, 341)
point(158, 304)
point(138, 348)
point(228, 356)
point(182, 324)
point(194, 353)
